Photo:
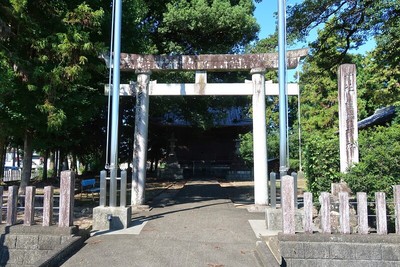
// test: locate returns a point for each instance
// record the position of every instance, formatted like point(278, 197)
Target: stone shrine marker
point(348, 128)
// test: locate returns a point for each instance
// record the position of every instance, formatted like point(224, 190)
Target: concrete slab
point(135, 229)
point(201, 228)
point(260, 230)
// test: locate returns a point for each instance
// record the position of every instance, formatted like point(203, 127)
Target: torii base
point(111, 218)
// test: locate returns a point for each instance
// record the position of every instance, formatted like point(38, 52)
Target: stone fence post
point(67, 186)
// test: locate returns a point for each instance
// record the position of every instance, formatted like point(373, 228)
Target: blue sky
point(265, 17)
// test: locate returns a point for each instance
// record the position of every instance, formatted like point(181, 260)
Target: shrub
point(379, 167)
point(321, 162)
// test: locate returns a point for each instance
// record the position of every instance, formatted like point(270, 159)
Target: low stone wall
point(37, 245)
point(239, 175)
point(339, 250)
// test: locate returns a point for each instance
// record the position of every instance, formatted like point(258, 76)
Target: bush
point(379, 167)
point(246, 147)
point(321, 162)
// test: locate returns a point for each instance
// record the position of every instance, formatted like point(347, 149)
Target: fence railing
point(66, 203)
point(288, 211)
point(11, 175)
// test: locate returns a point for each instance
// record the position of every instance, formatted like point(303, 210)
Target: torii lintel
point(221, 62)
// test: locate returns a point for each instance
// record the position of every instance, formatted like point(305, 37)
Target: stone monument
point(348, 127)
point(172, 169)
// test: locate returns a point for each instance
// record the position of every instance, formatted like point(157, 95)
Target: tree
point(53, 51)
point(352, 21)
point(51, 48)
point(200, 26)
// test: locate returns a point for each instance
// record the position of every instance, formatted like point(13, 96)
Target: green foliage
point(246, 148)
point(379, 167)
point(200, 26)
point(351, 21)
point(321, 164)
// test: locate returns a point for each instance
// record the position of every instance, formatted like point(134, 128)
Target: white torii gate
point(257, 87)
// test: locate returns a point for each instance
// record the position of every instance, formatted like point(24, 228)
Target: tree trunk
point(2, 155)
point(27, 161)
point(74, 163)
point(65, 165)
point(46, 156)
point(18, 158)
point(52, 163)
point(14, 155)
point(56, 156)
point(59, 162)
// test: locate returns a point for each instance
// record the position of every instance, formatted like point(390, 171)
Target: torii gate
point(257, 64)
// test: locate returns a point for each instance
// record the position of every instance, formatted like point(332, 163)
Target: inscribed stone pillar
point(348, 128)
point(259, 138)
point(140, 138)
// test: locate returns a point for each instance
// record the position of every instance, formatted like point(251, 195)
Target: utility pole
point(283, 106)
point(115, 103)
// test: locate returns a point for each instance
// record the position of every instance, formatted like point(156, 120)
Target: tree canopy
point(342, 27)
point(52, 79)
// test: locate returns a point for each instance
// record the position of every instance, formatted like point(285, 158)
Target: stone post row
point(67, 191)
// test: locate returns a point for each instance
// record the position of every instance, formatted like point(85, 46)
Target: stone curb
point(57, 256)
point(264, 255)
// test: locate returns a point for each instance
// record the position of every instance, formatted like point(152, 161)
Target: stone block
point(307, 263)
point(368, 251)
point(65, 238)
point(120, 218)
point(273, 219)
point(342, 251)
point(16, 256)
point(33, 256)
point(27, 242)
point(265, 256)
point(316, 250)
point(10, 241)
point(390, 252)
point(48, 242)
point(292, 250)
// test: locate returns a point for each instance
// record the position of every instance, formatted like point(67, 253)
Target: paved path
point(200, 226)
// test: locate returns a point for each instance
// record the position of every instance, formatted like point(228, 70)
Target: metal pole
point(282, 86)
point(115, 104)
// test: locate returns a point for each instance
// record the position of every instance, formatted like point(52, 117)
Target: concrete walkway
point(197, 226)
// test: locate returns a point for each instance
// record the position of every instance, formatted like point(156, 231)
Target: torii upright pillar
point(259, 138)
point(140, 139)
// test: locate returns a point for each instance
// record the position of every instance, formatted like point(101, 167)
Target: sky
point(264, 14)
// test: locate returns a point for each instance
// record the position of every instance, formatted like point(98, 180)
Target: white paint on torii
point(222, 89)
